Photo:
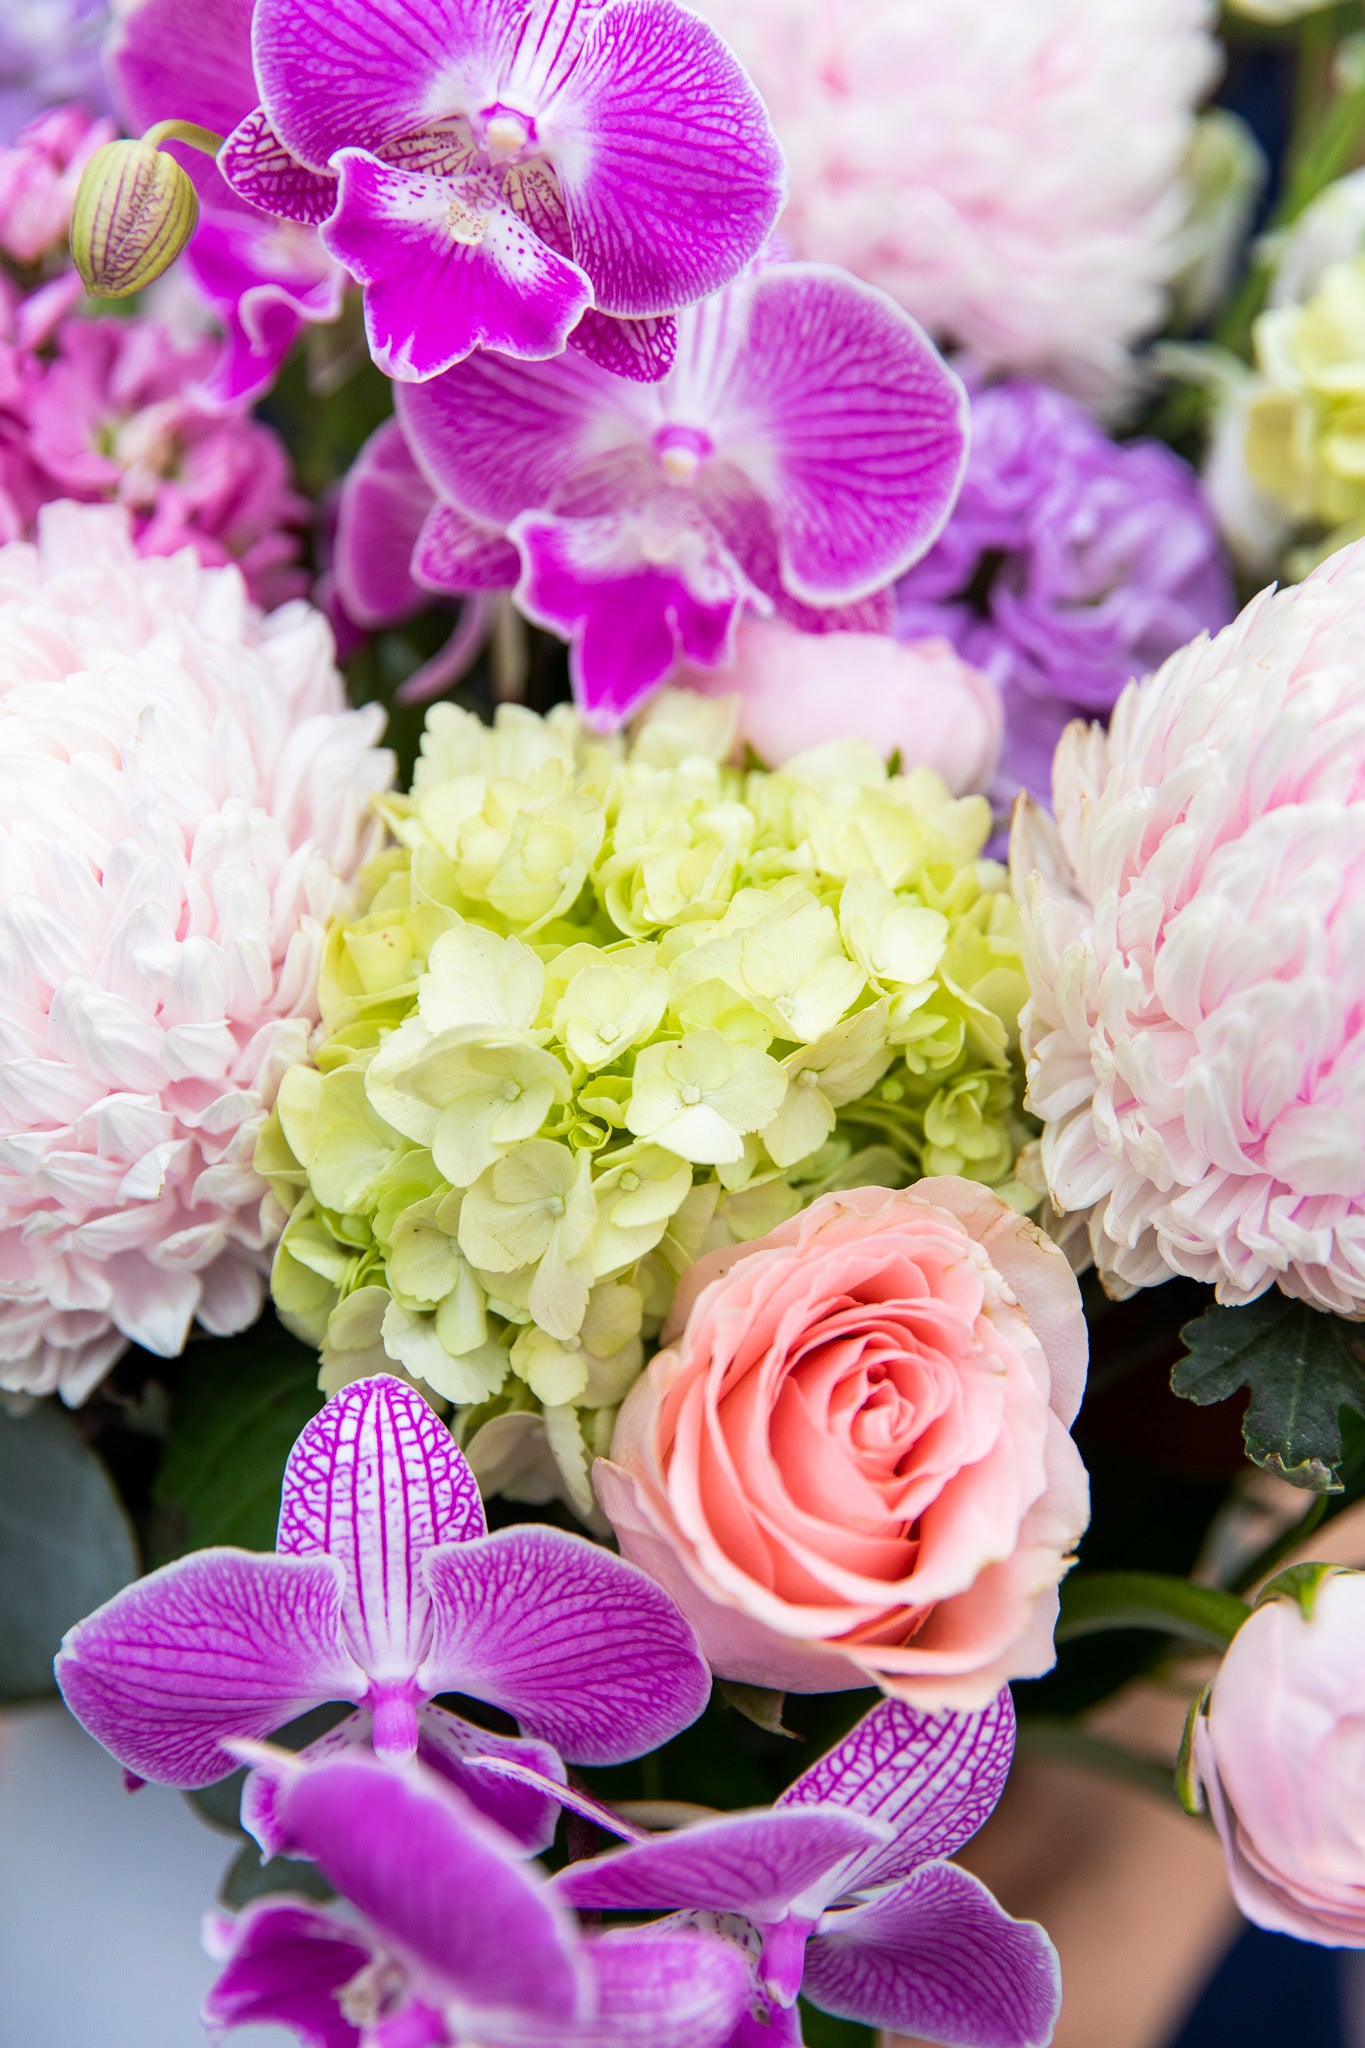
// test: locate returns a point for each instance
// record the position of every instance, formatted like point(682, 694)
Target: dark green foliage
point(1302, 1368)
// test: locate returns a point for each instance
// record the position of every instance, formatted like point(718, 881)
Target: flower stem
point(1095, 1601)
point(188, 132)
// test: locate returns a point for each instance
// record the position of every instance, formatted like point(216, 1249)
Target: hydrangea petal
point(666, 1990)
point(759, 1864)
point(219, 1645)
point(934, 1778)
point(376, 1480)
point(669, 170)
point(583, 1650)
point(845, 416)
point(442, 275)
point(938, 1957)
point(285, 1967)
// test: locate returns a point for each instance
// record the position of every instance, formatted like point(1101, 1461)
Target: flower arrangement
point(692, 1196)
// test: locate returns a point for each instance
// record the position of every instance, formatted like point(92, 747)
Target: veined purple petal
point(938, 1957)
point(447, 269)
point(384, 500)
point(571, 1797)
point(758, 1864)
point(497, 438)
point(582, 1649)
point(934, 1778)
point(265, 279)
point(633, 597)
point(665, 1990)
point(669, 169)
point(376, 1480)
point(456, 553)
point(285, 1967)
point(339, 73)
point(170, 62)
point(846, 418)
point(439, 1881)
point(767, 2025)
point(219, 1645)
point(263, 172)
point(642, 350)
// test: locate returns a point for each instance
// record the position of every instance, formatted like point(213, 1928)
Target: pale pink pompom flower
point(183, 798)
point(1010, 170)
point(1281, 1756)
point(917, 700)
point(1195, 945)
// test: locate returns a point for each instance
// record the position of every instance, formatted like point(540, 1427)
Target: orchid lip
point(504, 133)
point(681, 451)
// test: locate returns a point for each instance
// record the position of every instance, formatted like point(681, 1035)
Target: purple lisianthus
point(1071, 563)
point(458, 1941)
point(385, 1590)
point(802, 452)
point(510, 175)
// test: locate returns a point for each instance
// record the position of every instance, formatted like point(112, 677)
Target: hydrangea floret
point(605, 1004)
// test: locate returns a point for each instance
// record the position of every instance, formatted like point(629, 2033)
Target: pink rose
point(1281, 1753)
point(853, 1463)
point(919, 698)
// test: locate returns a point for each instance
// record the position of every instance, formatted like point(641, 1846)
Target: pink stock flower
point(1193, 926)
point(966, 158)
point(39, 173)
point(919, 700)
point(183, 799)
point(1281, 1755)
point(851, 1463)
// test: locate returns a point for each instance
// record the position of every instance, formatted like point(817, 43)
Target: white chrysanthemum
point(1195, 944)
point(1010, 170)
point(183, 796)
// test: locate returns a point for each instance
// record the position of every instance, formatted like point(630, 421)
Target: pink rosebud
point(1281, 1753)
point(919, 700)
point(852, 1462)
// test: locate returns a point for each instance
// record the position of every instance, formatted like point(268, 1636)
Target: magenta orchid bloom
point(496, 174)
point(385, 1590)
point(842, 1891)
point(458, 1943)
point(803, 452)
point(264, 277)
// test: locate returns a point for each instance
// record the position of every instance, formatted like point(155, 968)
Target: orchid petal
point(265, 279)
point(670, 172)
point(768, 2025)
point(938, 1957)
point(582, 1649)
point(843, 414)
point(263, 172)
point(285, 1967)
point(456, 553)
point(571, 1797)
point(632, 602)
point(384, 501)
point(666, 1990)
point(438, 1880)
point(375, 1480)
point(218, 1645)
point(447, 269)
point(497, 438)
point(934, 1778)
point(452, 661)
point(170, 64)
point(757, 1864)
point(642, 350)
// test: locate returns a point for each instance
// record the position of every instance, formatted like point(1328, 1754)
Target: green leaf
point(240, 1404)
point(66, 1545)
point(1301, 1583)
point(757, 1704)
point(248, 1878)
point(1095, 1601)
point(1302, 1367)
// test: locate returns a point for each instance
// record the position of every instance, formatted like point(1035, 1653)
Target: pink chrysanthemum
point(183, 798)
point(1195, 943)
point(1008, 169)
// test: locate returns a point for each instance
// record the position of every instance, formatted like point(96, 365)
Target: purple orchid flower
point(496, 175)
point(264, 277)
point(385, 1589)
point(803, 452)
point(842, 1891)
point(459, 1942)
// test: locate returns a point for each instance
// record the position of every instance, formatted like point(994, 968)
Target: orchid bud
point(135, 210)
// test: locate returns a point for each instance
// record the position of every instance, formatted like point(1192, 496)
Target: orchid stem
point(1096, 1601)
point(188, 132)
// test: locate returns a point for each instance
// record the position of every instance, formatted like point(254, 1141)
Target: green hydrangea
point(606, 1004)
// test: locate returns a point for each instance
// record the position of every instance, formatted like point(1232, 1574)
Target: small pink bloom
point(1281, 1752)
point(920, 700)
point(853, 1463)
point(39, 173)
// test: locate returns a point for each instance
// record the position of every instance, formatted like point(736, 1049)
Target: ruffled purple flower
point(802, 452)
point(1071, 563)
